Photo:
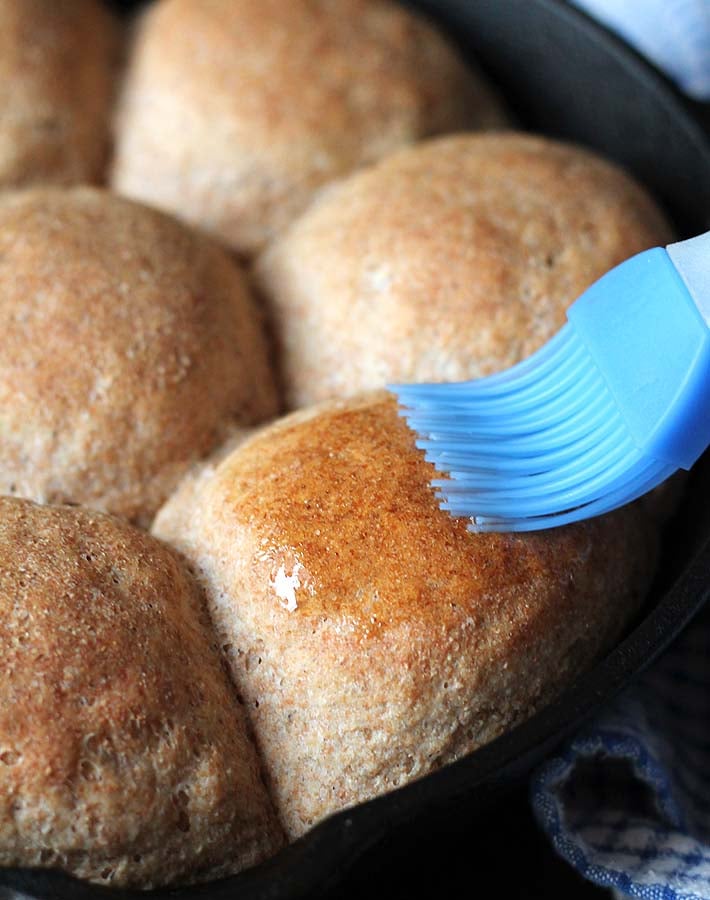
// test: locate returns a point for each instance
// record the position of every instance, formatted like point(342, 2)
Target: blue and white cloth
point(627, 801)
point(673, 34)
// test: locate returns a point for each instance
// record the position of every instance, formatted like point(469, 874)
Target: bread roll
point(446, 261)
point(371, 636)
point(123, 749)
point(57, 68)
point(235, 111)
point(131, 347)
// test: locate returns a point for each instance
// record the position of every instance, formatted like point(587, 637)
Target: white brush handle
point(692, 260)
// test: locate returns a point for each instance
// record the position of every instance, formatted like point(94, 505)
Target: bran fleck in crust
point(123, 750)
point(131, 347)
point(371, 636)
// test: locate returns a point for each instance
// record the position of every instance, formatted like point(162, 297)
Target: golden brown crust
point(57, 70)
point(235, 111)
point(131, 346)
point(123, 750)
point(446, 261)
point(372, 637)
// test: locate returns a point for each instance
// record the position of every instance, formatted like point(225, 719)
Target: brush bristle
point(539, 445)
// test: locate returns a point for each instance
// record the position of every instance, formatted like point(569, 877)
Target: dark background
point(501, 854)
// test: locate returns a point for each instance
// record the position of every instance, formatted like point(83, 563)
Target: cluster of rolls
point(237, 209)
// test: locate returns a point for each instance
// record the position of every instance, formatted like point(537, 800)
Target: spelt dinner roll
point(123, 750)
point(446, 261)
point(130, 348)
point(57, 66)
point(370, 635)
point(234, 112)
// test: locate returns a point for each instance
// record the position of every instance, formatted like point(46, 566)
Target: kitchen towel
point(627, 802)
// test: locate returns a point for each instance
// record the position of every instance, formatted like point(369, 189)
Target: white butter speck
point(286, 586)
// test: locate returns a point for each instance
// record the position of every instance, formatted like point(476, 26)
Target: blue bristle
point(598, 458)
point(531, 369)
point(542, 500)
point(633, 486)
point(538, 445)
point(567, 438)
point(514, 461)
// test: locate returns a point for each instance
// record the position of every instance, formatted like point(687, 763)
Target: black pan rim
point(336, 844)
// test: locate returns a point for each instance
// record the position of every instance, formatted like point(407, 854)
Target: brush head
point(603, 413)
point(540, 445)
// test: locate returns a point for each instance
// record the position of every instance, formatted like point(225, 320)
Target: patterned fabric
point(674, 34)
point(627, 802)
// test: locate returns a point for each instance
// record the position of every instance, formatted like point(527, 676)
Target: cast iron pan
point(565, 76)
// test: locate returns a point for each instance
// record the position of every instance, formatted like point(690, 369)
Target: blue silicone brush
point(609, 408)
